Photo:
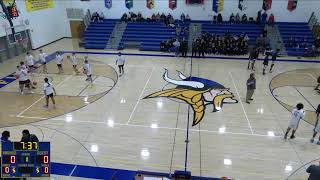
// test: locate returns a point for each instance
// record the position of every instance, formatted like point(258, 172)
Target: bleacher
point(297, 30)
point(148, 35)
point(97, 34)
point(252, 30)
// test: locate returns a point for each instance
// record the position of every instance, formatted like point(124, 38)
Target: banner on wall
point(12, 9)
point(218, 5)
point(108, 3)
point(243, 5)
point(150, 4)
point(292, 5)
point(35, 5)
point(173, 4)
point(266, 5)
point(129, 4)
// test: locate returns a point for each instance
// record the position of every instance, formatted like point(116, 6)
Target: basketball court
point(114, 122)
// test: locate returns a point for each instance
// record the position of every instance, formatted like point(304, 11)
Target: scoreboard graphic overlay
point(25, 159)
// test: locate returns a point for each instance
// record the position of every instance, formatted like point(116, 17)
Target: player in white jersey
point(87, 70)
point(22, 76)
point(317, 126)
point(49, 92)
point(74, 62)
point(30, 61)
point(120, 62)
point(59, 60)
point(297, 114)
point(43, 61)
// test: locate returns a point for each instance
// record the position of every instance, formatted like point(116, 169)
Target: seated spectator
point(163, 46)
point(153, 18)
point(264, 17)
point(271, 20)
point(124, 17)
point(140, 18)
point(214, 20)
point(169, 16)
point(317, 42)
point(171, 22)
point(219, 18)
point(237, 18)
point(133, 17)
point(258, 20)
point(101, 16)
point(188, 18)
point(27, 137)
point(163, 17)
point(291, 42)
point(231, 20)
point(95, 17)
point(5, 136)
point(158, 17)
point(178, 30)
point(182, 17)
point(244, 18)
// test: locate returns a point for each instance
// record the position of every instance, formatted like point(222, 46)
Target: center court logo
point(198, 92)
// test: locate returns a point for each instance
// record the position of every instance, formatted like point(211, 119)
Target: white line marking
point(41, 97)
point(134, 109)
point(73, 170)
point(244, 111)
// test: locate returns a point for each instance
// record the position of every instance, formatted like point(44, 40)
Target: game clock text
point(25, 159)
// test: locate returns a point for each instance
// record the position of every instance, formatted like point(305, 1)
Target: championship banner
point(266, 4)
point(35, 5)
point(108, 3)
point(129, 4)
point(173, 4)
point(243, 5)
point(150, 4)
point(218, 5)
point(292, 5)
point(12, 9)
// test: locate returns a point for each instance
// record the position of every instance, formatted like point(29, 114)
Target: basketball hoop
point(23, 43)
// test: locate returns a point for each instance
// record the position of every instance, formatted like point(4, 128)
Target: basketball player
point(74, 62)
point(49, 92)
point(254, 55)
point(42, 58)
point(120, 62)
point(317, 126)
point(22, 75)
point(297, 114)
point(59, 60)
point(274, 59)
point(317, 87)
point(30, 61)
point(265, 64)
point(87, 70)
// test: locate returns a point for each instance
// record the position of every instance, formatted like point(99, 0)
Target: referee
point(120, 62)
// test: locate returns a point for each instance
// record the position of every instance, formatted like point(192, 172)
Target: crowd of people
point(177, 45)
point(96, 17)
point(26, 136)
point(262, 18)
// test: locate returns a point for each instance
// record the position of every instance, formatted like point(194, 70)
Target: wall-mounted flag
point(173, 4)
point(243, 5)
point(108, 3)
point(292, 5)
point(150, 4)
point(217, 5)
point(266, 4)
point(129, 4)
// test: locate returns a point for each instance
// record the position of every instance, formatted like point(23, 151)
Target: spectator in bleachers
point(153, 18)
point(271, 20)
point(188, 18)
point(176, 45)
point(124, 17)
point(95, 17)
point(171, 21)
point(261, 41)
point(101, 16)
point(292, 42)
point(178, 30)
point(158, 17)
point(237, 18)
point(27, 137)
point(182, 17)
point(219, 18)
point(317, 42)
point(194, 47)
point(244, 18)
point(231, 20)
point(184, 47)
point(133, 17)
point(264, 17)
point(258, 20)
point(163, 17)
point(214, 20)
point(163, 46)
point(5, 136)
point(140, 18)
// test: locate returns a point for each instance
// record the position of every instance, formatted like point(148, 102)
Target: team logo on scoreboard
point(198, 92)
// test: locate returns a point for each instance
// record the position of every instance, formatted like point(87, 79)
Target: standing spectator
point(314, 172)
point(258, 20)
point(297, 114)
point(176, 45)
point(201, 48)
point(251, 86)
point(184, 47)
point(237, 18)
point(219, 18)
point(231, 20)
point(183, 17)
point(27, 137)
point(188, 18)
point(244, 18)
point(271, 20)
point(274, 59)
point(318, 81)
point(194, 48)
point(264, 17)
point(120, 62)
point(317, 126)
point(5, 136)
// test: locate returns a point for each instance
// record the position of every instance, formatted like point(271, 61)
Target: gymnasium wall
point(204, 12)
point(45, 25)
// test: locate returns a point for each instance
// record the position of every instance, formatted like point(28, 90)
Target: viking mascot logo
point(197, 92)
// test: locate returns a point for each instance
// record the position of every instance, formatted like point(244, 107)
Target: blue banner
point(129, 4)
point(217, 5)
point(108, 3)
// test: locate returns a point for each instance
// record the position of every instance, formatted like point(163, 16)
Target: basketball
point(34, 83)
